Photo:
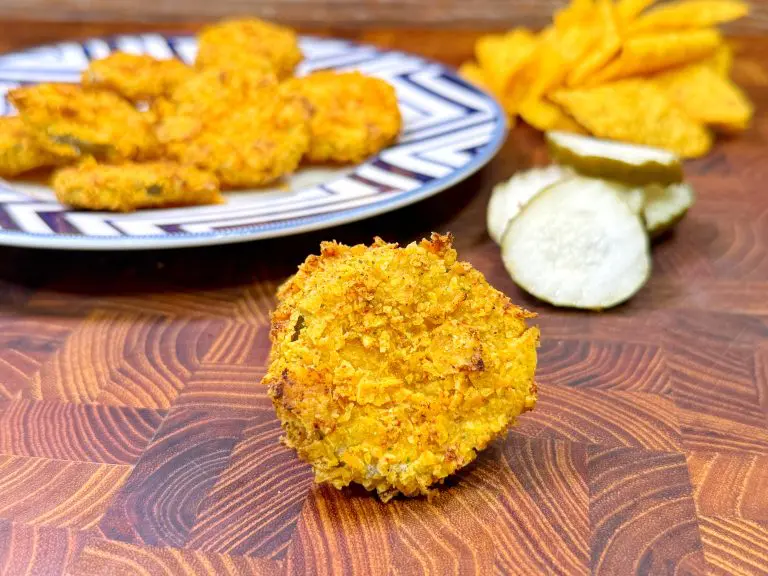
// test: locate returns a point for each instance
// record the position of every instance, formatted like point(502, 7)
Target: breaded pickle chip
point(393, 367)
point(20, 150)
point(136, 77)
point(353, 116)
point(250, 145)
point(230, 40)
point(214, 91)
point(72, 122)
point(132, 186)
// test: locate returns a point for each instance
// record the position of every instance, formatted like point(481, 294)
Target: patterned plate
point(450, 130)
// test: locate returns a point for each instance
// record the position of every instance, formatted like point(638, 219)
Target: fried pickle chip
point(218, 90)
point(644, 55)
point(609, 43)
point(20, 150)
point(689, 14)
point(393, 367)
point(352, 115)
point(708, 97)
point(136, 77)
point(251, 145)
point(72, 122)
point(636, 111)
point(213, 92)
point(131, 186)
point(232, 40)
point(543, 115)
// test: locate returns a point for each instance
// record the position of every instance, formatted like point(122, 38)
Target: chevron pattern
point(450, 130)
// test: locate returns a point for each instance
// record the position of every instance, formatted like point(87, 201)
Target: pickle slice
point(509, 197)
point(665, 206)
point(578, 244)
point(630, 164)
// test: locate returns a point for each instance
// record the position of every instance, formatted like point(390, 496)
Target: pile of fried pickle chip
point(621, 70)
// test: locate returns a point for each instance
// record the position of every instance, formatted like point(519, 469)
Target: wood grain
point(604, 365)
point(607, 418)
point(642, 515)
point(121, 559)
point(41, 550)
point(159, 503)
point(543, 525)
point(67, 431)
point(733, 546)
point(135, 437)
point(732, 485)
point(253, 508)
point(57, 493)
point(489, 13)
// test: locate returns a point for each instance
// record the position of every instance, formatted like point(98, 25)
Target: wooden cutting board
point(135, 438)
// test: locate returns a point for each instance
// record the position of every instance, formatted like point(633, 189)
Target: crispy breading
point(393, 367)
point(252, 144)
point(72, 122)
point(236, 40)
point(131, 186)
point(214, 91)
point(19, 149)
point(353, 116)
point(137, 78)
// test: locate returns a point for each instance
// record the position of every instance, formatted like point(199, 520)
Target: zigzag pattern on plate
point(449, 130)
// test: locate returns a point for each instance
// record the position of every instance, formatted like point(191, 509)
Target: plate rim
point(299, 225)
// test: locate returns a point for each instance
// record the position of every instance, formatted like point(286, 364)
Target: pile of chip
point(621, 70)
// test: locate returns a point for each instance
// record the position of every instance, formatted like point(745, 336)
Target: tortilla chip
point(609, 43)
point(721, 61)
point(689, 14)
point(576, 13)
point(472, 73)
point(628, 10)
point(644, 55)
point(542, 72)
point(707, 97)
point(502, 56)
point(544, 115)
point(635, 111)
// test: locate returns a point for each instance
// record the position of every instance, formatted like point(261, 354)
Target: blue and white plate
point(450, 130)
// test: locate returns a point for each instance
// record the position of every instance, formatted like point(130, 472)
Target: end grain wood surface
point(135, 438)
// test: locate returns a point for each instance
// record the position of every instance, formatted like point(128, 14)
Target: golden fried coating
point(250, 145)
point(353, 116)
point(131, 186)
point(214, 91)
point(73, 122)
point(248, 38)
point(137, 78)
point(19, 149)
point(392, 367)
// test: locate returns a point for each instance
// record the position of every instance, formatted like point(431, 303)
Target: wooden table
point(135, 438)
